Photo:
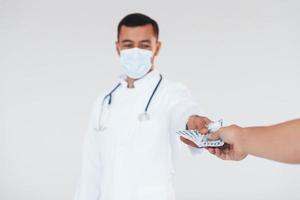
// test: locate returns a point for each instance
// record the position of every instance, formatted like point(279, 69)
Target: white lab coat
point(134, 160)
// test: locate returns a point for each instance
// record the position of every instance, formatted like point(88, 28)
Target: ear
point(158, 46)
point(118, 47)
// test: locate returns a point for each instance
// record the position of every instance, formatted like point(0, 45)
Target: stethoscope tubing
point(109, 95)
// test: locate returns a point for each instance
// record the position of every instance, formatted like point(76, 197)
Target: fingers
point(207, 121)
point(199, 123)
point(211, 150)
point(214, 136)
point(218, 152)
point(223, 154)
point(188, 142)
point(203, 131)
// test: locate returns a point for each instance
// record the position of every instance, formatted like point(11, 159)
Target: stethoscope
point(142, 117)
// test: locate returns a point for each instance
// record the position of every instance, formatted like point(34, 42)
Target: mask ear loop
point(145, 115)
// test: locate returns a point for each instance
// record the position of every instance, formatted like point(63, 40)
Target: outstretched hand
point(198, 123)
point(232, 150)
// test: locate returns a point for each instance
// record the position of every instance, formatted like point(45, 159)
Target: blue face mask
point(136, 62)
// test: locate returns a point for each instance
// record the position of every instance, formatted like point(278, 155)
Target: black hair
point(138, 19)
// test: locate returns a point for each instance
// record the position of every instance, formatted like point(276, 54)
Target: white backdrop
point(241, 59)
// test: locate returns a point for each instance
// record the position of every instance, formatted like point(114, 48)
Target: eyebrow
point(124, 41)
point(145, 41)
point(142, 41)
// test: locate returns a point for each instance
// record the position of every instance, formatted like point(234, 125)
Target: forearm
point(277, 142)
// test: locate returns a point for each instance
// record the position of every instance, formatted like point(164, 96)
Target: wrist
point(241, 138)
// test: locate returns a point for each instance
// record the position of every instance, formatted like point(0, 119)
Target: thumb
point(214, 136)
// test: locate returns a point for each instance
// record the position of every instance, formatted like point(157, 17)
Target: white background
point(241, 59)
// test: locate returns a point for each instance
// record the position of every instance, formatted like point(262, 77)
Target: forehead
point(137, 33)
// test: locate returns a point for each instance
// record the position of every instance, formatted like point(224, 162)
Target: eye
point(127, 46)
point(145, 46)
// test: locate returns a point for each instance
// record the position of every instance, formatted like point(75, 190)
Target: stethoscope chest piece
point(102, 128)
point(144, 117)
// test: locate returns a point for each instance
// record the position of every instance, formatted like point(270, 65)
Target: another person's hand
point(198, 123)
point(232, 150)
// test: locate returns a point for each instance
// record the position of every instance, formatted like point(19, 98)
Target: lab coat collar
point(149, 78)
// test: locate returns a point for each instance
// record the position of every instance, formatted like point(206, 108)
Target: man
point(279, 142)
point(130, 145)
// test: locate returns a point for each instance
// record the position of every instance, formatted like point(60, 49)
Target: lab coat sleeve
point(89, 183)
point(181, 106)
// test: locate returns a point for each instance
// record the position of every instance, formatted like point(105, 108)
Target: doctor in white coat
point(131, 144)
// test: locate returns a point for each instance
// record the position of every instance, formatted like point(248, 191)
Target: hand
point(198, 123)
point(232, 150)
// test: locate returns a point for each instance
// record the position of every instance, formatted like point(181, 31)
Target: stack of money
point(202, 140)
